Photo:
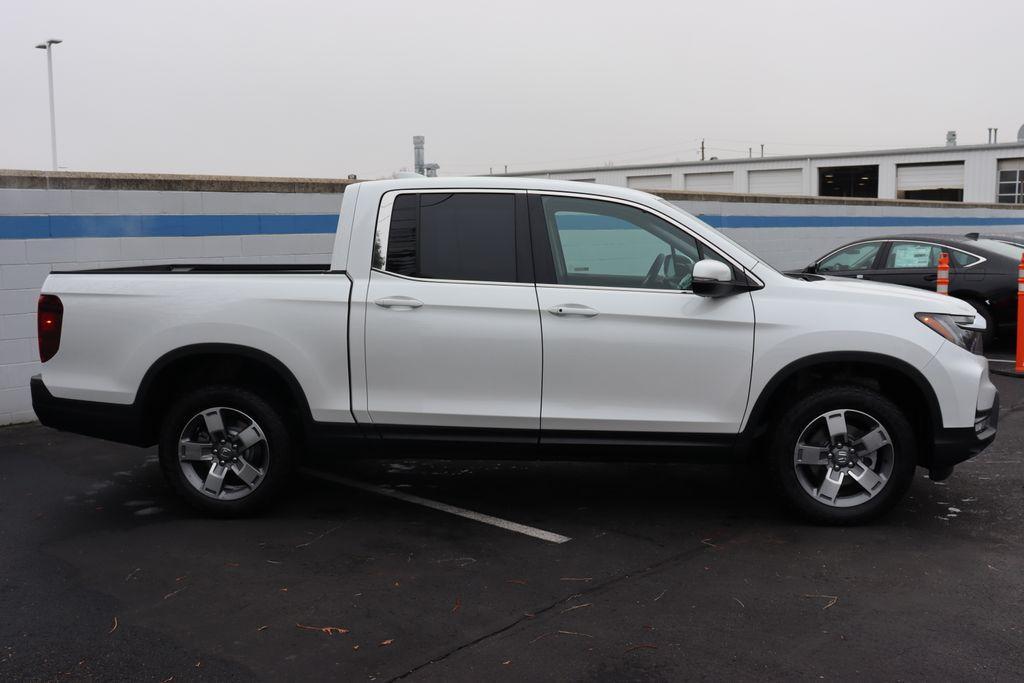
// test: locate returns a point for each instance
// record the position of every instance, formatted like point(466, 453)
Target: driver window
point(603, 244)
point(854, 257)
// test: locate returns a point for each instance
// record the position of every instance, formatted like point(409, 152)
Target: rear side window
point(963, 259)
point(452, 236)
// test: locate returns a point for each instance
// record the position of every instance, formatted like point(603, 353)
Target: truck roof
point(497, 183)
point(362, 200)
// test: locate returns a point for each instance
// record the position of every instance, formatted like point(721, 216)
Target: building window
point(942, 182)
point(1011, 181)
point(848, 181)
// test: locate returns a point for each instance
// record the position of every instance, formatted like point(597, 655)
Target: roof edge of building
point(745, 198)
point(784, 158)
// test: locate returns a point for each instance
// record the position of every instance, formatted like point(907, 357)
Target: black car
point(982, 271)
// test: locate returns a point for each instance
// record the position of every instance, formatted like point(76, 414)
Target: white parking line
point(443, 507)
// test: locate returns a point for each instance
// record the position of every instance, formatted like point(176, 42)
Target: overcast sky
point(330, 87)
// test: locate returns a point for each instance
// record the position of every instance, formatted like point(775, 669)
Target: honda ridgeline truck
point(518, 318)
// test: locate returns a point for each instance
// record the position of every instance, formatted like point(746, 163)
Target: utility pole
point(48, 46)
point(702, 149)
point(762, 150)
point(750, 152)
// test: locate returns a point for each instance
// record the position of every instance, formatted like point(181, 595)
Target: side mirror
point(713, 278)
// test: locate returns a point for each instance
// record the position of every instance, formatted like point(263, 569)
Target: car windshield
point(721, 234)
point(1002, 248)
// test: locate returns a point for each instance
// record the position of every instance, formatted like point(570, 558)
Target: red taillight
point(51, 313)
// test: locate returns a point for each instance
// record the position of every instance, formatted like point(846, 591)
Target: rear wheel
point(225, 449)
point(844, 455)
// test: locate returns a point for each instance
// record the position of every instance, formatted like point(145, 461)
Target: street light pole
point(48, 46)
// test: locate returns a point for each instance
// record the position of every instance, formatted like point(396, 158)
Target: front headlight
point(952, 327)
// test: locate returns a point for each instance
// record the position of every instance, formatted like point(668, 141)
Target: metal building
point(989, 173)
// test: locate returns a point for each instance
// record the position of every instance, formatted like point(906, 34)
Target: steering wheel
point(685, 279)
point(652, 272)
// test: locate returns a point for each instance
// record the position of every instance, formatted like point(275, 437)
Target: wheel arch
point(892, 376)
point(193, 365)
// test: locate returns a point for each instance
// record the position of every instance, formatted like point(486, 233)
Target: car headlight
point(952, 327)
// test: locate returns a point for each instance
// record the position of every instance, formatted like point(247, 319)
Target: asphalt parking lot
point(670, 572)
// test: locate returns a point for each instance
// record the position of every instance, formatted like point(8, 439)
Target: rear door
point(453, 336)
point(913, 264)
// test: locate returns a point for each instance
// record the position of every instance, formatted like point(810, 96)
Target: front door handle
point(398, 302)
point(573, 309)
point(931, 277)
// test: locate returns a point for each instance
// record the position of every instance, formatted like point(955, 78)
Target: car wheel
point(989, 335)
point(226, 450)
point(843, 455)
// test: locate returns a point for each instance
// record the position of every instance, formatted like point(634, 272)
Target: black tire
point(989, 336)
point(902, 455)
point(278, 452)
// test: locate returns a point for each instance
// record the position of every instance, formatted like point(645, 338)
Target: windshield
point(739, 247)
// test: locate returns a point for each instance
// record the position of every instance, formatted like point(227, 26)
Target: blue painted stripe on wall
point(193, 225)
point(164, 225)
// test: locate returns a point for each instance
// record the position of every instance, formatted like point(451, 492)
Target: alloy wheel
point(844, 458)
point(223, 453)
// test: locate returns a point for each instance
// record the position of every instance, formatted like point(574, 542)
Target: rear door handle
point(931, 278)
point(573, 309)
point(398, 302)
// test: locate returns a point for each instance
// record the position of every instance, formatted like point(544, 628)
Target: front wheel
point(844, 455)
point(226, 450)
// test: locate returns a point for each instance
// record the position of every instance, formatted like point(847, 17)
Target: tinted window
point(919, 255)
point(962, 259)
point(612, 245)
point(456, 236)
point(853, 257)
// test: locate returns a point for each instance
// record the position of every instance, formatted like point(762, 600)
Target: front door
point(862, 261)
point(453, 337)
point(628, 347)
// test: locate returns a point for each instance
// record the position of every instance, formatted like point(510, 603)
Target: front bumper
point(110, 421)
point(953, 446)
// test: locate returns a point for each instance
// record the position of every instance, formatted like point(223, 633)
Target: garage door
point(709, 182)
point(930, 177)
point(649, 182)
point(777, 181)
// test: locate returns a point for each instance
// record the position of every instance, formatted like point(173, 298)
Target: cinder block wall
point(88, 220)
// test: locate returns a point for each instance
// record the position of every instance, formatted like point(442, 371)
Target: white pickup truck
point(553, 319)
